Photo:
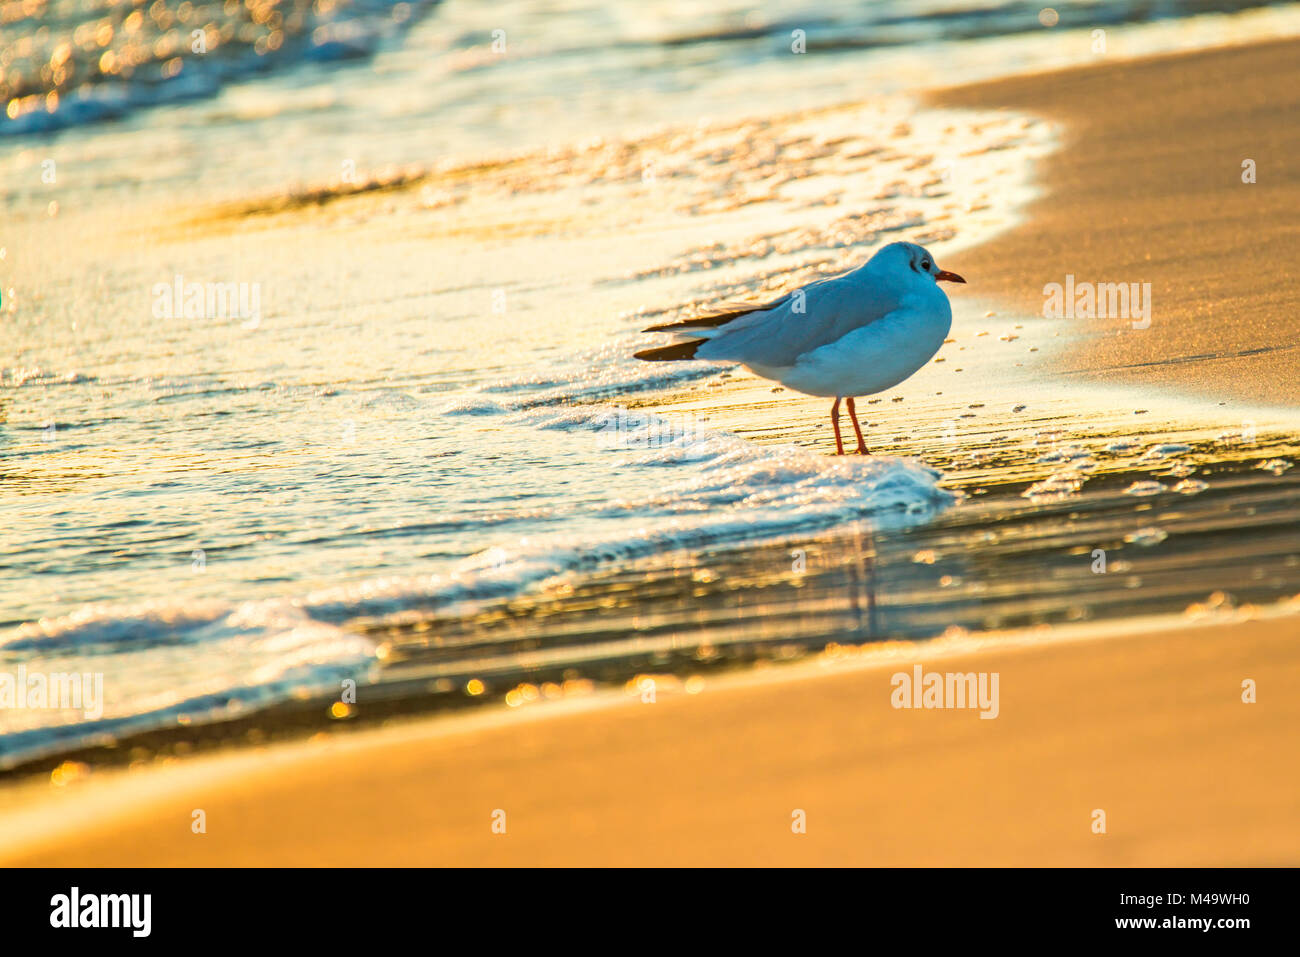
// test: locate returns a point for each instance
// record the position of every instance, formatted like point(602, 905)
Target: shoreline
point(599, 781)
point(1149, 189)
point(1143, 722)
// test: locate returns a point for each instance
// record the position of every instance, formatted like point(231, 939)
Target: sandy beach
point(1147, 187)
point(1149, 727)
point(1141, 719)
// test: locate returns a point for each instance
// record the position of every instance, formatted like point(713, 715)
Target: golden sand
point(1147, 187)
point(1149, 729)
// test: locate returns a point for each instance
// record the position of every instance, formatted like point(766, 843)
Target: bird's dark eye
point(925, 264)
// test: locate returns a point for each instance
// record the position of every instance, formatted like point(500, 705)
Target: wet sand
point(1150, 729)
point(1147, 187)
point(1144, 723)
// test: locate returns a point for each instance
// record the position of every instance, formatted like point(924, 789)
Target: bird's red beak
point(950, 276)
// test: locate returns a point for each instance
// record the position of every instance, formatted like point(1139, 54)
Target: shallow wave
point(168, 664)
point(57, 79)
point(144, 624)
point(729, 490)
point(206, 659)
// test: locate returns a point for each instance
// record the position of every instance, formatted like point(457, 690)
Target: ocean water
point(322, 336)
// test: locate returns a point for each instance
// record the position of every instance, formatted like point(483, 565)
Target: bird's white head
point(897, 257)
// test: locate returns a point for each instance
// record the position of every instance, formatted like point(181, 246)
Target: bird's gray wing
point(776, 337)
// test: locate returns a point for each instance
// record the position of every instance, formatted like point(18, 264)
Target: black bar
point(335, 906)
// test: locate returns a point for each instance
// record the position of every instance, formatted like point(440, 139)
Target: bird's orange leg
point(835, 421)
point(853, 414)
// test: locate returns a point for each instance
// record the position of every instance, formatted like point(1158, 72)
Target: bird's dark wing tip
point(678, 350)
point(709, 321)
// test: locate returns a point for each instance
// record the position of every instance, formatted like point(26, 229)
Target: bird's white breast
point(874, 357)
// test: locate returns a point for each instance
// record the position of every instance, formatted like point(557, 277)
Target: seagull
point(847, 336)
